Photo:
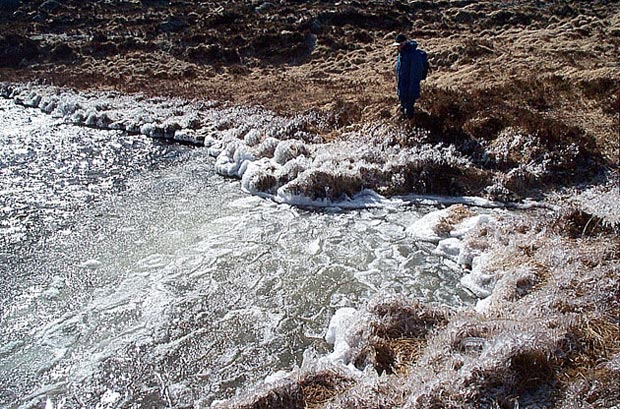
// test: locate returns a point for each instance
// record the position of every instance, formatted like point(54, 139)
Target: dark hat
point(401, 38)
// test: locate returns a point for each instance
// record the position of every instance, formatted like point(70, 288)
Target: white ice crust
point(453, 247)
point(450, 248)
point(339, 326)
point(469, 224)
point(424, 229)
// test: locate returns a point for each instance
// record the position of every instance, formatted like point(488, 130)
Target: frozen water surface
point(134, 275)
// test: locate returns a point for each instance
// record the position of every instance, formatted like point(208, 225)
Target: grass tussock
point(457, 214)
point(322, 387)
point(598, 342)
point(396, 318)
point(281, 396)
point(391, 356)
point(396, 334)
point(311, 388)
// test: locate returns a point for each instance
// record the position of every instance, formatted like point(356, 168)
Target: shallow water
point(133, 275)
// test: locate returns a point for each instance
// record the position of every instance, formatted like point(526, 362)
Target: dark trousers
point(406, 107)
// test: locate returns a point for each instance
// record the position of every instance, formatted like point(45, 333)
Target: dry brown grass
point(322, 387)
point(548, 79)
point(522, 67)
point(457, 214)
point(405, 352)
point(397, 334)
point(598, 341)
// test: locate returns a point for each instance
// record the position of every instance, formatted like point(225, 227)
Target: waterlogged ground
point(132, 274)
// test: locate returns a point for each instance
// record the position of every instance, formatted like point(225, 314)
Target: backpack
point(427, 68)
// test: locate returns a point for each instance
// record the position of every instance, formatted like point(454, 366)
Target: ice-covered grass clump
point(339, 171)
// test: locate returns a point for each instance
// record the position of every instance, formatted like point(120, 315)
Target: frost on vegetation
point(513, 146)
point(524, 160)
point(297, 172)
point(130, 113)
point(319, 184)
point(48, 104)
point(289, 149)
point(476, 359)
point(96, 120)
point(450, 229)
point(311, 386)
point(234, 160)
point(480, 281)
point(602, 203)
point(253, 137)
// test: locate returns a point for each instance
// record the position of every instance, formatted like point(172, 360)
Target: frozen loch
point(134, 273)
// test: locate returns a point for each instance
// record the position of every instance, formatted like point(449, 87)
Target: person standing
point(411, 68)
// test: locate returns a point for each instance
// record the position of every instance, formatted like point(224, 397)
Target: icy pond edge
point(234, 159)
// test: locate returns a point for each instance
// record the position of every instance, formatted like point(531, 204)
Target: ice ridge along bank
point(274, 157)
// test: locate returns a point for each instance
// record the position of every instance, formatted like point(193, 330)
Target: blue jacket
point(411, 66)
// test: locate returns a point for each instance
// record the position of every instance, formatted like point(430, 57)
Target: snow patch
point(450, 248)
point(479, 281)
point(424, 229)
